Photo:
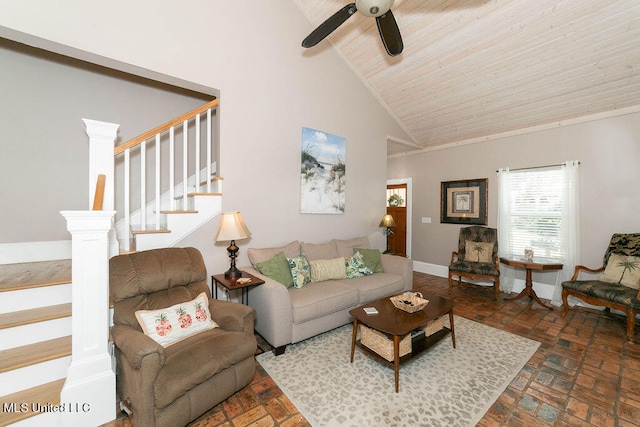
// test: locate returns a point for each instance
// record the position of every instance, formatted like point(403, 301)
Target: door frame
point(409, 183)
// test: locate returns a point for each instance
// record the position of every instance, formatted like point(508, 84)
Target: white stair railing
point(190, 163)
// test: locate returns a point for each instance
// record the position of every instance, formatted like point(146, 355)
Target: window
point(397, 196)
point(538, 210)
point(535, 202)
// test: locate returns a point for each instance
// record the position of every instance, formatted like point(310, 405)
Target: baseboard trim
point(433, 269)
point(14, 253)
point(543, 290)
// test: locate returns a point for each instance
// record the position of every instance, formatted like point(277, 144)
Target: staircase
point(36, 322)
point(35, 339)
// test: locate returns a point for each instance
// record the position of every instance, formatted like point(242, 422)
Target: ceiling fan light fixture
point(373, 8)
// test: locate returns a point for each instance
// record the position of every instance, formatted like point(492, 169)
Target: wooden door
point(398, 240)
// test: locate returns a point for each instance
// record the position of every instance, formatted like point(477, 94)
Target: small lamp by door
point(232, 227)
point(388, 223)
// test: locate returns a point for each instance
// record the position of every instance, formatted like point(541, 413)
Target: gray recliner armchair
point(173, 385)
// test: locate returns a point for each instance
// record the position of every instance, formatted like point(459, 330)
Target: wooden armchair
point(477, 257)
point(601, 291)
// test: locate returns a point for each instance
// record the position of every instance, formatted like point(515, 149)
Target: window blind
point(535, 198)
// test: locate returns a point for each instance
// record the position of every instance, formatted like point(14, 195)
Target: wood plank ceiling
point(476, 69)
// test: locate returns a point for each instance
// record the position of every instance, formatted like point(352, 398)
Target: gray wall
point(44, 150)
point(609, 152)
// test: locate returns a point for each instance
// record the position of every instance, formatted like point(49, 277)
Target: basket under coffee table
point(396, 324)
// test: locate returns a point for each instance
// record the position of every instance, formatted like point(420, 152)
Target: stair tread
point(32, 354)
point(203, 194)
point(25, 317)
point(34, 274)
point(164, 230)
point(180, 212)
point(198, 194)
point(213, 179)
point(45, 394)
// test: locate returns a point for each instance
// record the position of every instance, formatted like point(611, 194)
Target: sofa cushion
point(328, 269)
point(622, 269)
point(211, 351)
point(346, 248)
point(277, 268)
point(300, 270)
point(375, 286)
point(371, 258)
point(256, 256)
point(316, 300)
point(315, 252)
point(168, 326)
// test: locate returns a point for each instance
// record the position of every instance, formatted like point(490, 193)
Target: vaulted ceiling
point(476, 69)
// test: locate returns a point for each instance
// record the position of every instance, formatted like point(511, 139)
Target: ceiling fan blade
point(328, 26)
point(390, 33)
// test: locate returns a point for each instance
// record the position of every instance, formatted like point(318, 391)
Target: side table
point(232, 284)
point(538, 264)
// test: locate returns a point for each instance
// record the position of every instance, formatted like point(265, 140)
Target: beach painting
point(322, 172)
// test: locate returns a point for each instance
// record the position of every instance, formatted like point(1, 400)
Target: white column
point(102, 140)
point(89, 393)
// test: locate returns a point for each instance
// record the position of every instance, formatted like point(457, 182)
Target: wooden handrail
point(164, 127)
point(98, 198)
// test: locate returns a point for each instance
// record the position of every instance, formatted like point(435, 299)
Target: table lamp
point(388, 223)
point(232, 228)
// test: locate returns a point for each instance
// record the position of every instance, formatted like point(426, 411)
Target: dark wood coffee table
point(396, 324)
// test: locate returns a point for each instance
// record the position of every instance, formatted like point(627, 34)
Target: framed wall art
point(322, 173)
point(464, 202)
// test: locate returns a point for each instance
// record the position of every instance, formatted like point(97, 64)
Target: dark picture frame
point(464, 201)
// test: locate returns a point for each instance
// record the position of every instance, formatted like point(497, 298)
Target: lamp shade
point(387, 221)
point(232, 227)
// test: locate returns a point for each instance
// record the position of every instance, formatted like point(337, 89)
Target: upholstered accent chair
point(606, 291)
point(476, 257)
point(174, 383)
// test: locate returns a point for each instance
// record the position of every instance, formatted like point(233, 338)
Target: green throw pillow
point(277, 268)
point(371, 258)
point(300, 270)
point(356, 266)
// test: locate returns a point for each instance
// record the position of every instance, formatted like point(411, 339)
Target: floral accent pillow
point(167, 326)
point(371, 258)
point(356, 266)
point(300, 270)
point(622, 269)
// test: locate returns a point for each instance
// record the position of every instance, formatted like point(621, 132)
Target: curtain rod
point(535, 167)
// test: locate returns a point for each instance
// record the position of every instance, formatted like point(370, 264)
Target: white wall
point(269, 89)
point(609, 152)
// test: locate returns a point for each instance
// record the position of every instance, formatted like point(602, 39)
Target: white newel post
point(102, 141)
point(89, 392)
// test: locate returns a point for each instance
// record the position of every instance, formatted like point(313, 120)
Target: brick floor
point(583, 374)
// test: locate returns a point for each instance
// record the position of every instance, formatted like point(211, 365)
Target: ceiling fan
point(379, 9)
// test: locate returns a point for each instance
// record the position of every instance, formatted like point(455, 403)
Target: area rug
point(442, 387)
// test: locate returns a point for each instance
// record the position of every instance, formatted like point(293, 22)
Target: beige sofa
point(289, 315)
point(173, 385)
